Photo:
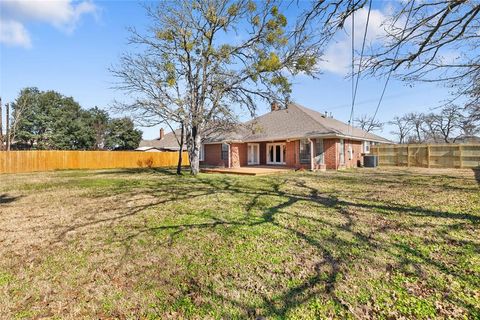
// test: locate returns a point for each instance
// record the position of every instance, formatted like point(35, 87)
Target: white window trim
point(256, 145)
point(281, 153)
point(305, 161)
point(365, 145)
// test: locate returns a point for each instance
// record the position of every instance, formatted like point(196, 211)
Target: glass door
point(275, 153)
point(253, 153)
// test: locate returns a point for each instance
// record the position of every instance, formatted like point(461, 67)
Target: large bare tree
point(434, 41)
point(202, 59)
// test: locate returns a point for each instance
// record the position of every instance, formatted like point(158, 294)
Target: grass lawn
point(378, 243)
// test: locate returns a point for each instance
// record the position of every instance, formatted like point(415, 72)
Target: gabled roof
point(169, 142)
point(294, 122)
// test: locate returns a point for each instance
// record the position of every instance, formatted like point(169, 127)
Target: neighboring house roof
point(293, 122)
point(168, 142)
point(146, 148)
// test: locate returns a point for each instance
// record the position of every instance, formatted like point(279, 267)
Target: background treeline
point(451, 124)
point(47, 120)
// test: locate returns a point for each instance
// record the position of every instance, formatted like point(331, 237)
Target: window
point(366, 146)
point(225, 148)
point(342, 151)
point(202, 152)
point(305, 151)
point(319, 158)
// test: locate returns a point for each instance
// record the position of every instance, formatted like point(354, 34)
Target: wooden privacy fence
point(429, 156)
point(30, 161)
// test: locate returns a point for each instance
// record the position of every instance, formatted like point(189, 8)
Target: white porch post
point(312, 165)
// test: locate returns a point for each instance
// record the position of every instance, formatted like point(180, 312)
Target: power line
point(394, 59)
point(360, 62)
point(353, 61)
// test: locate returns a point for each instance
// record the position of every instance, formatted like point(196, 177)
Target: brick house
point(293, 136)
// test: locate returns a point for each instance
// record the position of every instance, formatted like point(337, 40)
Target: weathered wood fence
point(30, 161)
point(429, 156)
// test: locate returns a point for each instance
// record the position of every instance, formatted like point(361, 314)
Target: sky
point(68, 46)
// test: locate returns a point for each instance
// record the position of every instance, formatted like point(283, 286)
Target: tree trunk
point(1, 125)
point(180, 151)
point(8, 126)
point(193, 145)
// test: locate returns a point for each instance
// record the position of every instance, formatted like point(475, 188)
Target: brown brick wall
point(238, 154)
point(356, 154)
point(331, 147)
point(213, 156)
point(330, 153)
point(291, 152)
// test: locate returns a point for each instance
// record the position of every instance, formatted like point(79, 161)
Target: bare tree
point(439, 44)
point(368, 124)
point(470, 124)
point(432, 41)
point(202, 59)
point(447, 123)
point(19, 107)
point(417, 121)
point(445, 126)
point(403, 127)
point(7, 125)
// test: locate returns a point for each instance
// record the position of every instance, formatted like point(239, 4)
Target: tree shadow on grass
point(169, 171)
point(323, 281)
point(5, 198)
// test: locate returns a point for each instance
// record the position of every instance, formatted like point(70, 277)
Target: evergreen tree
point(122, 135)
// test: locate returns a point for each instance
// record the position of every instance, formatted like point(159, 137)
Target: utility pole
point(1, 125)
point(7, 105)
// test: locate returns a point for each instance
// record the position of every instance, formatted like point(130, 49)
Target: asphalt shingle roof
point(169, 142)
point(293, 122)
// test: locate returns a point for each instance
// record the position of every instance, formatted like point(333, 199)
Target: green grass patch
point(383, 244)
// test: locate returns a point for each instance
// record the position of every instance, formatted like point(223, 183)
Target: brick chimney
point(162, 133)
point(274, 106)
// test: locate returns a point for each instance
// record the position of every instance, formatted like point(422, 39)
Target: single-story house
point(164, 143)
point(293, 136)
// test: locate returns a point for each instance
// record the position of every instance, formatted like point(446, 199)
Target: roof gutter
point(300, 138)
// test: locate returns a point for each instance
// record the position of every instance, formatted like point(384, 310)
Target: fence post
point(428, 156)
point(460, 155)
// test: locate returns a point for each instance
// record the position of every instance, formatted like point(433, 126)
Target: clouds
point(338, 56)
point(64, 15)
point(14, 33)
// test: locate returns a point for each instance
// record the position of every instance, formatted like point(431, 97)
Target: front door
point(253, 153)
point(275, 153)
